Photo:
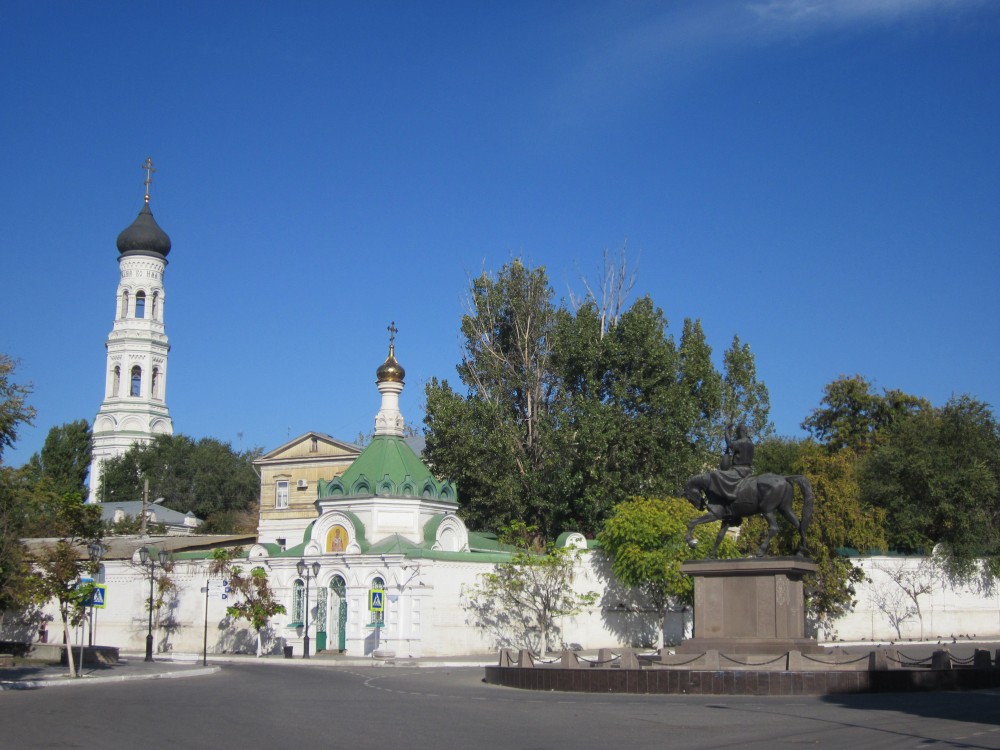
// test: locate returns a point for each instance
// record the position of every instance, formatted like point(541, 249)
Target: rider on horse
point(735, 466)
point(731, 494)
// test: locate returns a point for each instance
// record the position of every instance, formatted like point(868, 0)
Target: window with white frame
point(298, 602)
point(281, 493)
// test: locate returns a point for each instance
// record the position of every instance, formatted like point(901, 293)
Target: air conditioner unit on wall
point(302, 484)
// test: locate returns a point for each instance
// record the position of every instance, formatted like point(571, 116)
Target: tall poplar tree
point(564, 413)
point(745, 399)
point(64, 460)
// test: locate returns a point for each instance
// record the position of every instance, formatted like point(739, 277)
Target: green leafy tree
point(48, 508)
point(703, 387)
point(64, 460)
point(16, 580)
point(851, 415)
point(60, 567)
point(521, 600)
point(206, 477)
point(645, 539)
point(936, 474)
point(622, 417)
point(47, 513)
point(745, 400)
point(564, 413)
point(506, 411)
point(777, 455)
point(256, 602)
point(14, 408)
point(841, 521)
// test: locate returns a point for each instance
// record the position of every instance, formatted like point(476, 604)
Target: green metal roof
point(387, 467)
point(480, 541)
point(477, 557)
point(392, 545)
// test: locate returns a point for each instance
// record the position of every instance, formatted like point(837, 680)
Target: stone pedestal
point(750, 606)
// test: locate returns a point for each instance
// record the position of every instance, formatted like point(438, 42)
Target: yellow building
point(289, 476)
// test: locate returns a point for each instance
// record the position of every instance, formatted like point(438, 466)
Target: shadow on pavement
point(980, 707)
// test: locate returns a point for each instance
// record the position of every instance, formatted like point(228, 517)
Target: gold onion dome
point(390, 370)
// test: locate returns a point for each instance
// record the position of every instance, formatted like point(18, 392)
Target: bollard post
point(941, 659)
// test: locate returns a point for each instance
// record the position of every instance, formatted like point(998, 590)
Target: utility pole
point(145, 506)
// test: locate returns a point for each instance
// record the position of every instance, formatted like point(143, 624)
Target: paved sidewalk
point(26, 674)
point(29, 675)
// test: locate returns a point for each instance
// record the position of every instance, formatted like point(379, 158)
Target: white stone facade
point(134, 409)
point(427, 612)
point(910, 598)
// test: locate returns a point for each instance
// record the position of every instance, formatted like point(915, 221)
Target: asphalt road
point(275, 706)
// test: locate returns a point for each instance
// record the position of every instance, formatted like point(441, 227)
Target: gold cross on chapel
point(392, 334)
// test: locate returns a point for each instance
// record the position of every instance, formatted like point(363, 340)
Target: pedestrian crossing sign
point(376, 600)
point(100, 595)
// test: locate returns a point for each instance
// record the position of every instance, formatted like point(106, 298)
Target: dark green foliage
point(206, 477)
point(937, 475)
point(16, 580)
point(15, 572)
point(840, 520)
point(47, 513)
point(64, 460)
point(702, 385)
point(852, 415)
point(43, 501)
point(566, 413)
point(745, 400)
point(14, 408)
point(777, 455)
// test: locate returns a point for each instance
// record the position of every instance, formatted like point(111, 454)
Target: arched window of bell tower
point(156, 306)
point(116, 381)
point(124, 304)
point(136, 388)
point(140, 304)
point(154, 388)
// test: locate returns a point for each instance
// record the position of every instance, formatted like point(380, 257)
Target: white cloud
point(635, 49)
point(817, 15)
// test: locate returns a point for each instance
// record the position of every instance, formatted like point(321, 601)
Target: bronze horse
point(766, 494)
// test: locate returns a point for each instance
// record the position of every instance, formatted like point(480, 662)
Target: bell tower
point(134, 409)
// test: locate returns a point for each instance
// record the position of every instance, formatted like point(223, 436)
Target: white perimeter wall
point(946, 609)
point(433, 619)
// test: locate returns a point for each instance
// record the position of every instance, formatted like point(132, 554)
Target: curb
point(340, 662)
point(35, 684)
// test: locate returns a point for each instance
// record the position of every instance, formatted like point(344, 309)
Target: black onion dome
point(144, 236)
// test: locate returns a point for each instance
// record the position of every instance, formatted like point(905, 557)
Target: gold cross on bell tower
point(392, 336)
point(148, 166)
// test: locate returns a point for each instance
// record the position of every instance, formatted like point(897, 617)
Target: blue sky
point(821, 178)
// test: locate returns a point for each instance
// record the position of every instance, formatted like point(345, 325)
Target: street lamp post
point(145, 558)
point(96, 551)
point(304, 571)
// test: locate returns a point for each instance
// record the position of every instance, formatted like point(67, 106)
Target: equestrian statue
point(732, 493)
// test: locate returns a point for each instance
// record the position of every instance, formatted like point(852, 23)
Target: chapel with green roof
point(379, 521)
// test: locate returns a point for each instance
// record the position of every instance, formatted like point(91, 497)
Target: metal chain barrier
point(752, 663)
point(835, 663)
point(910, 661)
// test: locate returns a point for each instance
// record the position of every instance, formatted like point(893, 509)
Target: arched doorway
point(333, 606)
